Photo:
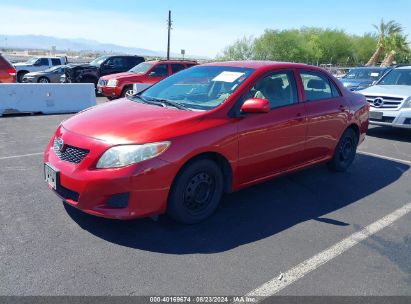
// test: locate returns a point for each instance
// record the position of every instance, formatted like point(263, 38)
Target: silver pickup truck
point(36, 64)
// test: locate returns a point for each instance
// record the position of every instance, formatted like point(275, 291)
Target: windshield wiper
point(170, 103)
point(147, 101)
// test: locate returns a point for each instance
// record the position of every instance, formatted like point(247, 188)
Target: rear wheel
point(345, 151)
point(196, 192)
point(43, 80)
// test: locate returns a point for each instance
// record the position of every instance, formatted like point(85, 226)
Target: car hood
point(21, 64)
point(355, 82)
point(401, 91)
point(123, 76)
point(125, 122)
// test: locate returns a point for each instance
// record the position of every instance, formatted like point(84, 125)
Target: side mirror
point(37, 63)
point(256, 105)
point(152, 74)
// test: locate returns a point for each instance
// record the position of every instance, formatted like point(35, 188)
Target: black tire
point(43, 80)
point(344, 152)
point(20, 75)
point(196, 192)
point(126, 91)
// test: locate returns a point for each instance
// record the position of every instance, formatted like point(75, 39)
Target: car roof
point(407, 67)
point(370, 68)
point(255, 64)
point(173, 61)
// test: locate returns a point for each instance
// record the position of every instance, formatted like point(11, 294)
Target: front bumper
point(109, 91)
point(397, 119)
point(146, 185)
point(29, 80)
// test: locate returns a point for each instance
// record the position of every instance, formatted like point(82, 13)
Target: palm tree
point(384, 30)
point(395, 44)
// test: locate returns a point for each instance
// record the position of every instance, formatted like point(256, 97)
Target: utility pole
point(169, 23)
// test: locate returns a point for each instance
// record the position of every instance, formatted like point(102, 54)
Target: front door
point(272, 142)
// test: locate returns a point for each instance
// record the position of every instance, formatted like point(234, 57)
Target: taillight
point(11, 71)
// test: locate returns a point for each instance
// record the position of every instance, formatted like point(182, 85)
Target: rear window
point(55, 61)
point(5, 62)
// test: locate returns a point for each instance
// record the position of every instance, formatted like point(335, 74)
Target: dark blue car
point(363, 77)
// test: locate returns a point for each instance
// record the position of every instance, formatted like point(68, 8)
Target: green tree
point(384, 30)
point(242, 49)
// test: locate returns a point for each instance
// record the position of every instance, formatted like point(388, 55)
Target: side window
point(55, 61)
point(44, 61)
point(318, 86)
point(160, 70)
point(279, 88)
point(119, 63)
point(133, 61)
point(177, 67)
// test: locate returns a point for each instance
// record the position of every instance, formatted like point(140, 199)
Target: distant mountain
point(40, 42)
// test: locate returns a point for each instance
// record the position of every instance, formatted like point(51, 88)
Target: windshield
point(397, 77)
point(32, 61)
point(52, 69)
point(98, 61)
point(141, 68)
point(199, 88)
point(371, 74)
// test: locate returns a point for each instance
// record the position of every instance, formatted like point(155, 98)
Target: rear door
point(327, 114)
point(272, 142)
point(177, 67)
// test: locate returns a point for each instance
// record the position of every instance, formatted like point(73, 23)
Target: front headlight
point(121, 156)
point(407, 103)
point(112, 83)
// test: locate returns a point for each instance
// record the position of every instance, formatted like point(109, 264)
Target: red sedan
point(179, 145)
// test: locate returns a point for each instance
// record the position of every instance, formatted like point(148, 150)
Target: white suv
point(390, 99)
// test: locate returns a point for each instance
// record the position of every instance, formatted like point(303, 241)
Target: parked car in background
point(37, 64)
point(50, 75)
point(101, 66)
point(145, 74)
point(7, 71)
point(363, 77)
point(390, 99)
point(179, 145)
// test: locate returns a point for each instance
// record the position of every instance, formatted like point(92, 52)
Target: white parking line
point(285, 279)
point(386, 157)
point(18, 156)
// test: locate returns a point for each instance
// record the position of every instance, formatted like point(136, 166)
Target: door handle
point(299, 117)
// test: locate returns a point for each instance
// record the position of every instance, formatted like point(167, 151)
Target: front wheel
point(43, 80)
point(344, 152)
point(196, 192)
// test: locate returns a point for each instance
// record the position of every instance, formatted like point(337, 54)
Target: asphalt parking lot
point(257, 235)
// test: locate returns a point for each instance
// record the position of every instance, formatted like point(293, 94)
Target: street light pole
point(169, 31)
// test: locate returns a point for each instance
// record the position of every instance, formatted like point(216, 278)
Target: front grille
point(67, 193)
point(69, 153)
point(102, 82)
point(407, 121)
point(393, 103)
point(384, 119)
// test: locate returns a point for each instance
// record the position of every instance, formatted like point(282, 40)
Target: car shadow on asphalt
point(254, 213)
point(390, 133)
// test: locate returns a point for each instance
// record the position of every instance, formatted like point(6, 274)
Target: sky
point(202, 28)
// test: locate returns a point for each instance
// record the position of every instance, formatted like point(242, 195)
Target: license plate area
point(51, 175)
point(376, 115)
